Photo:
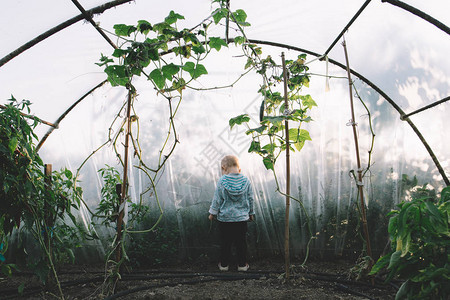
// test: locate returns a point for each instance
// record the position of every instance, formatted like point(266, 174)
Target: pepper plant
point(420, 241)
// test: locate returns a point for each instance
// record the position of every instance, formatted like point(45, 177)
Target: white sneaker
point(244, 268)
point(222, 268)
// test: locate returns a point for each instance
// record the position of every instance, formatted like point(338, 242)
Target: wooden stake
point(288, 174)
point(358, 161)
point(124, 181)
point(48, 217)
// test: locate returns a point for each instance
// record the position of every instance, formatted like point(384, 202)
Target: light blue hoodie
point(233, 198)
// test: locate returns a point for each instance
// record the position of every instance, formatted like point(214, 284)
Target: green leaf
point(104, 60)
point(160, 27)
point(119, 52)
point(124, 30)
point(190, 37)
point(433, 210)
point(183, 51)
point(179, 85)
point(294, 134)
point(445, 194)
point(157, 77)
point(268, 163)
point(299, 145)
point(71, 255)
point(152, 53)
point(144, 27)
point(274, 119)
point(21, 288)
point(6, 187)
point(406, 244)
point(6, 269)
point(217, 43)
point(173, 17)
point(170, 70)
point(304, 135)
point(308, 101)
point(269, 148)
point(239, 40)
point(12, 145)
point(249, 63)
point(395, 259)
point(238, 120)
point(380, 264)
point(219, 14)
point(198, 49)
point(305, 81)
point(402, 292)
point(255, 146)
point(195, 70)
point(241, 17)
point(259, 130)
point(117, 75)
point(68, 173)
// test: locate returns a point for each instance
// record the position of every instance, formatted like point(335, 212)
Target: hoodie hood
point(235, 185)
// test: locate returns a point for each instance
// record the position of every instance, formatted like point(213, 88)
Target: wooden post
point(47, 215)
point(48, 218)
point(358, 161)
point(123, 192)
point(288, 173)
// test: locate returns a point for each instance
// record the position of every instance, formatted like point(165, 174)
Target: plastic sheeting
point(403, 55)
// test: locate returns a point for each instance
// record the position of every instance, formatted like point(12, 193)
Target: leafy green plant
point(40, 202)
point(18, 163)
point(108, 208)
point(420, 239)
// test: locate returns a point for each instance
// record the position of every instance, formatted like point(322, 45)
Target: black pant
point(233, 232)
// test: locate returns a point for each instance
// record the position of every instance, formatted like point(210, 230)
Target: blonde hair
point(230, 161)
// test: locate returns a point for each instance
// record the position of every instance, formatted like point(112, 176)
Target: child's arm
point(215, 204)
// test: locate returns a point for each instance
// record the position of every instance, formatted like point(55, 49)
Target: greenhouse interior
point(116, 117)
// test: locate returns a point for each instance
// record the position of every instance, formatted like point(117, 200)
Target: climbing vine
point(171, 59)
point(270, 139)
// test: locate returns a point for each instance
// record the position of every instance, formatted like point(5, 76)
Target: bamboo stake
point(358, 161)
point(227, 25)
point(125, 179)
point(48, 222)
point(288, 174)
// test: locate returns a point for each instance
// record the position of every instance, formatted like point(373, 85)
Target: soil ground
point(264, 280)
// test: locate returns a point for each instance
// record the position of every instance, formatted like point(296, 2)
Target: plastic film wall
point(413, 72)
point(320, 174)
